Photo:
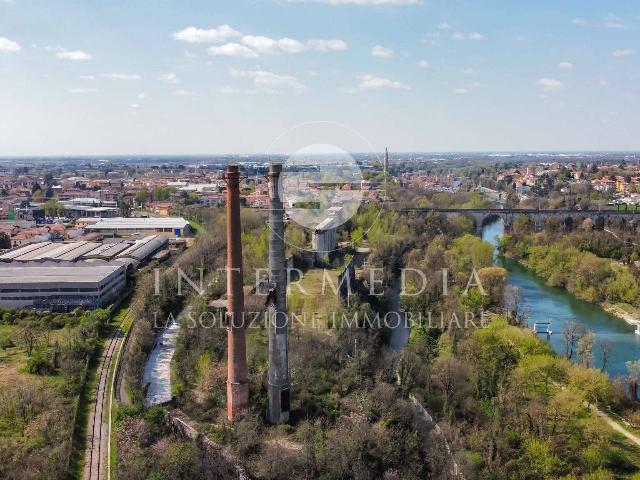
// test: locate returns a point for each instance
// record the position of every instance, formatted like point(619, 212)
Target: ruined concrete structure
point(278, 376)
point(237, 385)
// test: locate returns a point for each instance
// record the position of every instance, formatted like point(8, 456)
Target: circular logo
point(322, 185)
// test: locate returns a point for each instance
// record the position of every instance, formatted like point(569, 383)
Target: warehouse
point(60, 286)
point(140, 250)
point(120, 226)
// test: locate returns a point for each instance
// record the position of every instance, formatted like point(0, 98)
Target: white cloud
point(550, 84)
point(169, 78)
point(467, 36)
point(10, 46)
point(87, 77)
point(613, 21)
point(269, 81)
point(444, 26)
point(461, 91)
point(232, 50)
point(252, 46)
point(566, 66)
point(213, 35)
point(141, 96)
point(121, 76)
point(135, 106)
point(184, 93)
point(83, 90)
point(423, 63)
point(623, 52)
point(271, 46)
point(361, 2)
point(369, 82)
point(579, 21)
point(74, 55)
point(328, 45)
point(382, 52)
point(468, 71)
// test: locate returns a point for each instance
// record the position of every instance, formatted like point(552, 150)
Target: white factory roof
point(49, 250)
point(141, 223)
point(36, 273)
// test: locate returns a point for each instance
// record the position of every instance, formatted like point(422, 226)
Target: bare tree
point(606, 347)
point(633, 369)
point(585, 349)
point(514, 304)
point(572, 332)
point(28, 333)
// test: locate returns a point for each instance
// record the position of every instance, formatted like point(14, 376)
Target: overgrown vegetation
point(507, 406)
point(43, 366)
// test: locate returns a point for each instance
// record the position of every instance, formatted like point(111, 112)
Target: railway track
point(96, 456)
point(98, 451)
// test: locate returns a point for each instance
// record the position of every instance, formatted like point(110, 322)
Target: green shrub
point(6, 343)
point(40, 363)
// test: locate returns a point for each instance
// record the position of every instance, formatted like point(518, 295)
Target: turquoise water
point(548, 304)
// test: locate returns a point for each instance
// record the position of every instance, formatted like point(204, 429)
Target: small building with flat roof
point(120, 226)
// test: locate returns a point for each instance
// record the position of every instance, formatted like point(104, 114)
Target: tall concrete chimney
point(278, 377)
point(237, 385)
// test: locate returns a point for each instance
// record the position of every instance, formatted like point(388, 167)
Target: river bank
point(617, 311)
point(615, 341)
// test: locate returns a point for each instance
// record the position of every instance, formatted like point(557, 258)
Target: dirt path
point(618, 428)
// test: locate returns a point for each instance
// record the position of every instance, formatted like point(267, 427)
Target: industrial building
point(131, 252)
point(60, 286)
point(120, 226)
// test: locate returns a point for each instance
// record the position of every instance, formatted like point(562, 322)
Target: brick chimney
point(237, 385)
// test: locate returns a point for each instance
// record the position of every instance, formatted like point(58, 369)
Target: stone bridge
point(569, 218)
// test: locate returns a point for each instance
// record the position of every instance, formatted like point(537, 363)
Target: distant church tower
point(386, 161)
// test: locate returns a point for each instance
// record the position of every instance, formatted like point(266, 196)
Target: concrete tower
point(237, 385)
point(278, 377)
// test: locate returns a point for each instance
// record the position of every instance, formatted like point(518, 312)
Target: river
point(555, 305)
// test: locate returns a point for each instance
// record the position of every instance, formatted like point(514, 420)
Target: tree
point(587, 225)
point(571, 332)
point(5, 240)
point(469, 252)
point(633, 376)
point(585, 349)
point(521, 225)
point(141, 196)
point(37, 195)
point(452, 378)
point(606, 347)
point(53, 208)
point(28, 334)
point(493, 280)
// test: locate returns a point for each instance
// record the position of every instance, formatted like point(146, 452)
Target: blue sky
point(205, 76)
